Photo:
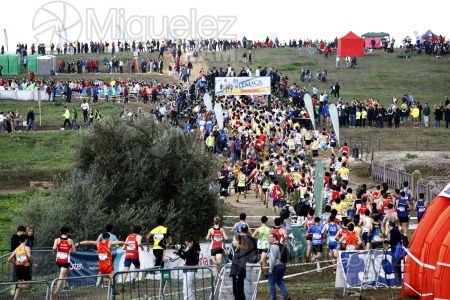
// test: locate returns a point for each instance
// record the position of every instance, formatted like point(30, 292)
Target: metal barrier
point(224, 286)
point(82, 287)
point(167, 283)
point(40, 289)
point(373, 270)
point(392, 177)
point(46, 267)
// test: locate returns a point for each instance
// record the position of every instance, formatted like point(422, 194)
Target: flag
point(318, 186)
point(310, 108)
point(6, 39)
point(335, 120)
point(219, 115)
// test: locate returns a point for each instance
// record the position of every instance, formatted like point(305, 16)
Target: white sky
point(325, 19)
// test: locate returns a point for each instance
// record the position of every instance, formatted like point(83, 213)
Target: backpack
point(284, 253)
point(285, 213)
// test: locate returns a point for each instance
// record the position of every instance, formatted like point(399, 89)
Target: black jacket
point(191, 255)
point(15, 242)
point(238, 263)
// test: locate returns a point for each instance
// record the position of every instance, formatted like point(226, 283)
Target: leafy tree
point(130, 173)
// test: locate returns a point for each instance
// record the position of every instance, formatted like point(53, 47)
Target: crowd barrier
point(224, 285)
point(167, 283)
point(82, 287)
point(364, 269)
point(39, 289)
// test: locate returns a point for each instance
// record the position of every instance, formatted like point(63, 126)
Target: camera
point(178, 247)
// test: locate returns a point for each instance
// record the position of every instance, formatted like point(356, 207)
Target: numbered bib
point(365, 229)
point(401, 208)
point(159, 236)
point(317, 236)
point(218, 238)
point(102, 256)
point(377, 238)
point(421, 209)
point(22, 258)
point(62, 255)
point(263, 244)
point(131, 246)
point(351, 247)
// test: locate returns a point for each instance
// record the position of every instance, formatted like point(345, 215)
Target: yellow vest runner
point(241, 180)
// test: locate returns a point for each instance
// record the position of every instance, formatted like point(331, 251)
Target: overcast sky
point(43, 21)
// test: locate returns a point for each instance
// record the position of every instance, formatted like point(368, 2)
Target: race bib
point(401, 208)
point(62, 255)
point(22, 258)
point(377, 238)
point(131, 246)
point(102, 256)
point(218, 238)
point(351, 247)
point(159, 236)
point(317, 236)
point(365, 229)
point(421, 209)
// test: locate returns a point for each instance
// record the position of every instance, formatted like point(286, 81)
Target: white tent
point(46, 65)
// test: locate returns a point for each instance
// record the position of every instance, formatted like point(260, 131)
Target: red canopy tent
point(351, 45)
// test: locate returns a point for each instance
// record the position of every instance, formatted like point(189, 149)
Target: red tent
point(351, 45)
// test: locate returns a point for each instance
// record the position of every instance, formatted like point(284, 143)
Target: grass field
point(34, 156)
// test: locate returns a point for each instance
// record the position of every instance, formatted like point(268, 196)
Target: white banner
point(226, 86)
point(22, 95)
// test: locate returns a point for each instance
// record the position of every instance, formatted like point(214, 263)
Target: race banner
point(318, 186)
point(85, 262)
point(227, 86)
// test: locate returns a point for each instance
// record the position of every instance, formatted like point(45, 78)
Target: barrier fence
point(196, 282)
point(45, 270)
point(38, 289)
point(395, 178)
point(82, 287)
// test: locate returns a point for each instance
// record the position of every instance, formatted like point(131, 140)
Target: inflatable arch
point(428, 261)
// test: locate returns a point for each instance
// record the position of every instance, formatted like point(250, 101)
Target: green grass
point(34, 156)
point(50, 115)
point(10, 205)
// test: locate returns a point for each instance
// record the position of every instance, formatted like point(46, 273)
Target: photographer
point(190, 253)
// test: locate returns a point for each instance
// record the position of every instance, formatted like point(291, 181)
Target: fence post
point(416, 142)
point(384, 173)
point(379, 145)
point(427, 144)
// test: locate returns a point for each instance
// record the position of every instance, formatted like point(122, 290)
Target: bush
point(130, 173)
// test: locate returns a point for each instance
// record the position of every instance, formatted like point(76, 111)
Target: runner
point(262, 233)
point(133, 243)
point(105, 264)
point(62, 247)
point(237, 228)
point(331, 229)
point(316, 232)
point(162, 239)
point(21, 258)
point(217, 236)
point(277, 195)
